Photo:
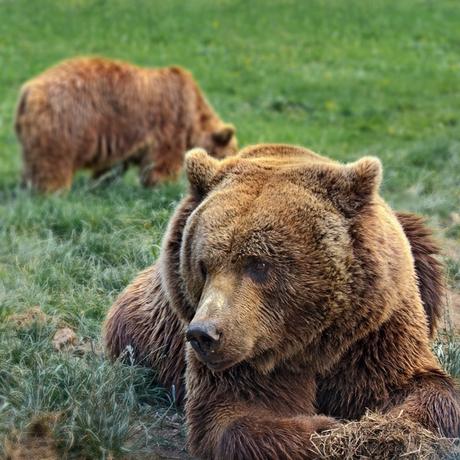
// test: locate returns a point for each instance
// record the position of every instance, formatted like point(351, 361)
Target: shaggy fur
point(93, 113)
point(430, 273)
point(311, 283)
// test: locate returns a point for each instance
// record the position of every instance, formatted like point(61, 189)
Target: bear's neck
point(286, 391)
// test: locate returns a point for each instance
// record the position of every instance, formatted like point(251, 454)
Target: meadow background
point(345, 78)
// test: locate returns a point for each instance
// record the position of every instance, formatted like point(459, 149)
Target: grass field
point(345, 78)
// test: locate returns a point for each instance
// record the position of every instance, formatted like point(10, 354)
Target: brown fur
point(336, 324)
point(94, 113)
point(430, 273)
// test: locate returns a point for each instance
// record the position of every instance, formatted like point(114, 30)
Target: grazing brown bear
point(94, 113)
point(297, 290)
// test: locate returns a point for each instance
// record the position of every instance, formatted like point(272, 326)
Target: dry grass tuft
point(64, 338)
point(383, 437)
point(26, 318)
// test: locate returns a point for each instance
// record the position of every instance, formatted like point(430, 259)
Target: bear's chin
point(219, 366)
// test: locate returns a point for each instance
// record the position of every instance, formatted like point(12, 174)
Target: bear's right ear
point(354, 185)
point(200, 168)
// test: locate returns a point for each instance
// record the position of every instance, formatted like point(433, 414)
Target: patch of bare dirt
point(173, 439)
point(36, 443)
point(170, 436)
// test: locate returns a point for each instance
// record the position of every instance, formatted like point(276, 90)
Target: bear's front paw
point(319, 423)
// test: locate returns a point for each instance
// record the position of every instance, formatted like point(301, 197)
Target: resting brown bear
point(93, 113)
point(296, 288)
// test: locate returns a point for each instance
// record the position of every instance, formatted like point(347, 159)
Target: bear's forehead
point(282, 154)
point(270, 167)
point(263, 196)
point(277, 164)
point(262, 224)
point(269, 208)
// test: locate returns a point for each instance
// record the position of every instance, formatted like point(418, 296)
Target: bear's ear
point(200, 169)
point(224, 135)
point(365, 177)
point(352, 186)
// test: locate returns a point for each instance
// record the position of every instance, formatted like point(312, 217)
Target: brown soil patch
point(36, 443)
point(173, 436)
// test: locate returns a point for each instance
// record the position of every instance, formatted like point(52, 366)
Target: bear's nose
point(204, 337)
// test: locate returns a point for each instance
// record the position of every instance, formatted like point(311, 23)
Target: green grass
point(345, 78)
point(102, 408)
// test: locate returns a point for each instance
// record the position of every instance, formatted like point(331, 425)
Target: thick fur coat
point(92, 113)
point(301, 293)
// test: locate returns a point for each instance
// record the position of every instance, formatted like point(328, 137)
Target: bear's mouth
point(213, 363)
point(219, 366)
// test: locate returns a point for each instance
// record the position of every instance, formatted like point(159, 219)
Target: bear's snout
point(204, 338)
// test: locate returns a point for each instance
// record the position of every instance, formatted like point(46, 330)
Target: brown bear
point(297, 290)
point(94, 113)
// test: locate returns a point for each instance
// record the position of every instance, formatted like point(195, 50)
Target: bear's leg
point(108, 175)
point(221, 431)
point(141, 327)
point(47, 164)
point(48, 160)
point(47, 175)
point(246, 414)
point(434, 402)
point(161, 164)
point(270, 438)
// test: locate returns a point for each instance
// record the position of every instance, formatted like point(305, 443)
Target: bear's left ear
point(200, 169)
point(224, 135)
point(353, 185)
point(365, 177)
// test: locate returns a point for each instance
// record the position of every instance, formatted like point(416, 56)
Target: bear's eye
point(257, 269)
point(203, 269)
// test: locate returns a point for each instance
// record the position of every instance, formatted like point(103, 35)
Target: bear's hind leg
point(108, 175)
point(141, 327)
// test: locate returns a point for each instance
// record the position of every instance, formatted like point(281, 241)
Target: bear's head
point(276, 255)
point(219, 141)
